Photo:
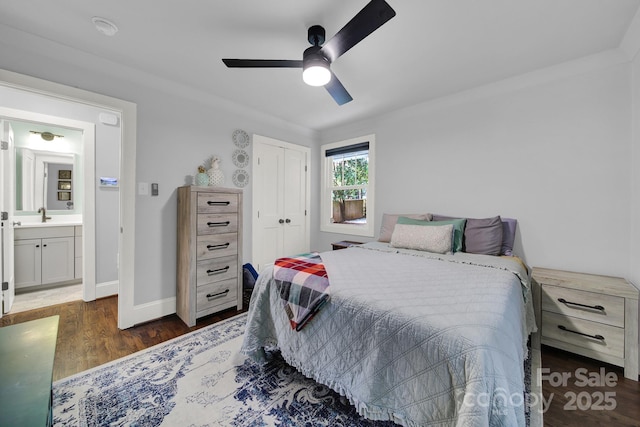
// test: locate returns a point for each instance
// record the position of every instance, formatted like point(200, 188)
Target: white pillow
point(437, 239)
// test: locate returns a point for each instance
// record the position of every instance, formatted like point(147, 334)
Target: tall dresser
point(209, 276)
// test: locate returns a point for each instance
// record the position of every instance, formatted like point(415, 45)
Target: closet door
point(268, 209)
point(280, 200)
point(295, 226)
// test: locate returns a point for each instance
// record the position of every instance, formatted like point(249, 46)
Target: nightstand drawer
point(584, 334)
point(217, 294)
point(584, 305)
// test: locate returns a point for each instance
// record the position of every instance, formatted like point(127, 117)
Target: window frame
point(326, 184)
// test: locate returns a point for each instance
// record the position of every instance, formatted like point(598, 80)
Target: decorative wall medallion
point(240, 178)
point(240, 158)
point(240, 138)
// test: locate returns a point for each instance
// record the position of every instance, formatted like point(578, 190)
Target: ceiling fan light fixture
point(316, 75)
point(315, 68)
point(317, 59)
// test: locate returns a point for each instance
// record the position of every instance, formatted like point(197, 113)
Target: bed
point(410, 336)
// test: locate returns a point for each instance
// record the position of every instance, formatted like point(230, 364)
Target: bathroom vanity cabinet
point(44, 255)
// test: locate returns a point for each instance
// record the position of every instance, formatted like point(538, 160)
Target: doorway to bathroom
point(107, 115)
point(51, 190)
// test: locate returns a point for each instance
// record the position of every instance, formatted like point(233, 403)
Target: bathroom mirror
point(48, 170)
point(44, 179)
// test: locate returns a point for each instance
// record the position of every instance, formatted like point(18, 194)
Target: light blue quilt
point(417, 338)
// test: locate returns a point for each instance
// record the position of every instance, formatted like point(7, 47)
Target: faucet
point(44, 214)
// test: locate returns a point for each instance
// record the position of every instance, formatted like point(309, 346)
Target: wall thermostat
point(106, 181)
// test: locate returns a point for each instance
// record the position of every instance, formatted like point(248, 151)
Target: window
point(348, 186)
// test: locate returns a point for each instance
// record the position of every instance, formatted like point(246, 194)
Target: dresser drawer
point(217, 203)
point(216, 269)
point(216, 246)
point(216, 294)
point(571, 302)
point(217, 223)
point(612, 342)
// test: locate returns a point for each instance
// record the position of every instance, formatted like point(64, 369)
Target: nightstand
point(344, 244)
point(591, 315)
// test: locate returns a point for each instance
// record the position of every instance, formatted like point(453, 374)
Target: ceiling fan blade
point(263, 63)
point(337, 91)
point(369, 19)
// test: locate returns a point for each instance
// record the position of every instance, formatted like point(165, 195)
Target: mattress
point(409, 336)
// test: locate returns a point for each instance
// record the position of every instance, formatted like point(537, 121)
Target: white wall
point(179, 134)
point(177, 129)
point(551, 149)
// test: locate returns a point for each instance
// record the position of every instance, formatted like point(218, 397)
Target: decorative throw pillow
point(481, 235)
point(458, 228)
point(430, 239)
point(489, 236)
point(508, 235)
point(389, 222)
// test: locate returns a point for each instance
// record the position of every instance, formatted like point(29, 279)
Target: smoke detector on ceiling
point(104, 26)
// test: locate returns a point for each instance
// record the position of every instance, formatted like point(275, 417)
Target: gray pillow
point(389, 222)
point(481, 236)
point(508, 235)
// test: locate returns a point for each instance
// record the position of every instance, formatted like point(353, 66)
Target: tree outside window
point(349, 191)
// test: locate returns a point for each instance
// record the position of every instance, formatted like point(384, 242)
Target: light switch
point(154, 189)
point(143, 189)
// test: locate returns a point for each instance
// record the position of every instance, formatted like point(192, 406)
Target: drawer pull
point(216, 247)
point(218, 224)
point(595, 307)
point(210, 203)
point(218, 271)
point(218, 295)
point(597, 337)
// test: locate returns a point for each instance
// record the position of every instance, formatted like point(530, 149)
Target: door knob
point(281, 221)
point(288, 221)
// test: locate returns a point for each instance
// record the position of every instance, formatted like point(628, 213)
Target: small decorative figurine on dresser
point(216, 176)
point(202, 179)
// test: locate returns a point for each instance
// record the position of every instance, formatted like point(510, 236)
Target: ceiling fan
point(317, 59)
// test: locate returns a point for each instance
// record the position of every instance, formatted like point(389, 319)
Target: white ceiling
point(432, 48)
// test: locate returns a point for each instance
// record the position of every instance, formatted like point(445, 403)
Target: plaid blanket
point(303, 286)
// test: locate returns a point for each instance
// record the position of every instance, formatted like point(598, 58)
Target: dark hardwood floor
point(88, 336)
point(593, 394)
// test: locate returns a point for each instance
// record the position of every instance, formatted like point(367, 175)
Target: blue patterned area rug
point(199, 379)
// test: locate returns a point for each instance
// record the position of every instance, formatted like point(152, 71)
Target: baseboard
point(153, 310)
point(107, 289)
